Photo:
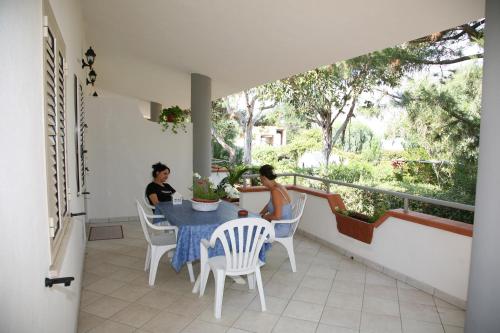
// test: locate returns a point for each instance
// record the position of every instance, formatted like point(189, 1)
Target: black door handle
point(66, 280)
point(77, 214)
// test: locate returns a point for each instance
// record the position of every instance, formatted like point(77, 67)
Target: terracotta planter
point(233, 200)
point(170, 118)
point(355, 228)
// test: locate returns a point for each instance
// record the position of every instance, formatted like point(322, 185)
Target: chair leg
point(251, 281)
point(288, 243)
point(220, 277)
point(148, 258)
point(190, 271)
point(155, 260)
point(258, 278)
point(204, 273)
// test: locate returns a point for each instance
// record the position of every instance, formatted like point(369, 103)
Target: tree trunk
point(230, 150)
point(247, 155)
point(327, 129)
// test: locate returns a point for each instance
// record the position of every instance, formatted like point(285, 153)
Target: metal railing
point(405, 196)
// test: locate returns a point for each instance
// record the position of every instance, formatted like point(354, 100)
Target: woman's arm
point(153, 198)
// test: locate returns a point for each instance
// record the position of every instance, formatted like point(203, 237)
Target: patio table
point(195, 226)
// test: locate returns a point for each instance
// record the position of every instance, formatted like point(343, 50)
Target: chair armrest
point(283, 221)
point(155, 216)
point(163, 227)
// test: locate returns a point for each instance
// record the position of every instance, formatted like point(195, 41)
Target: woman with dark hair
point(159, 190)
point(279, 206)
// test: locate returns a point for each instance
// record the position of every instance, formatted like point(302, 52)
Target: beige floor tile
point(200, 326)
point(419, 312)
point(236, 330)
point(287, 278)
point(189, 307)
point(453, 329)
point(158, 299)
point(105, 306)
point(356, 276)
point(317, 283)
point(87, 321)
point(452, 317)
point(341, 317)
point(126, 274)
point(135, 315)
point(274, 305)
point(322, 328)
point(348, 287)
point(390, 293)
point(321, 271)
point(102, 269)
point(277, 289)
point(105, 286)
point(380, 306)
point(291, 325)
point(345, 301)
point(306, 294)
point(415, 326)
point(228, 317)
point(415, 296)
point(88, 297)
point(377, 278)
point(112, 327)
point(376, 323)
point(256, 321)
point(167, 322)
point(440, 304)
point(130, 292)
point(303, 311)
point(89, 278)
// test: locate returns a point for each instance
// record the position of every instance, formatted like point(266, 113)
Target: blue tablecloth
point(195, 226)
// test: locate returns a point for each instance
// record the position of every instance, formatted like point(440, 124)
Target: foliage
point(204, 189)
point(173, 117)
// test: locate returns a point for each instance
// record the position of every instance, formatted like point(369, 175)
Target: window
point(54, 66)
point(80, 128)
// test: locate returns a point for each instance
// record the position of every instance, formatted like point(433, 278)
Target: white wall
point(122, 147)
point(26, 304)
point(433, 256)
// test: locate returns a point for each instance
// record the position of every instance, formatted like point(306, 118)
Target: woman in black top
point(159, 190)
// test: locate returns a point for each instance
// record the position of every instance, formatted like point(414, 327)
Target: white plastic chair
point(158, 244)
point(146, 203)
point(241, 257)
point(297, 209)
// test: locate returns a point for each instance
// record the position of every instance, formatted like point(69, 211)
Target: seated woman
point(279, 206)
point(159, 190)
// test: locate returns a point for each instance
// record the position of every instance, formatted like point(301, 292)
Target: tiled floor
point(329, 293)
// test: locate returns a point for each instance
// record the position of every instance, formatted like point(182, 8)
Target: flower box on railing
point(355, 226)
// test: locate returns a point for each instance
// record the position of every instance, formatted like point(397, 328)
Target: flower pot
point(204, 205)
point(355, 227)
point(171, 118)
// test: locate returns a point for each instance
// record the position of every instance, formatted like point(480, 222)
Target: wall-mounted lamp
point(95, 94)
point(90, 56)
point(92, 77)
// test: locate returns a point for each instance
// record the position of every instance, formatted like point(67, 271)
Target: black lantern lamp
point(90, 56)
point(92, 77)
point(95, 94)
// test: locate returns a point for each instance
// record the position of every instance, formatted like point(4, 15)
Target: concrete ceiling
point(241, 44)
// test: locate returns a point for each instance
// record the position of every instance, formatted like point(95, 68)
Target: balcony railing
point(405, 196)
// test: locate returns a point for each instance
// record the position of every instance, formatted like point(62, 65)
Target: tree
point(322, 95)
point(224, 131)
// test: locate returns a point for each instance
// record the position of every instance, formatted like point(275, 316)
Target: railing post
point(294, 179)
point(327, 187)
point(406, 205)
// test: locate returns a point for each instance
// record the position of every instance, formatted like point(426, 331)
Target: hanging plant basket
point(173, 118)
point(355, 226)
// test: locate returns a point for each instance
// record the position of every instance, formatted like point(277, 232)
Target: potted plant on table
point(357, 225)
point(173, 118)
point(206, 196)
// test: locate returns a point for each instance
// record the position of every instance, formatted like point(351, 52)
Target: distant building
point(269, 136)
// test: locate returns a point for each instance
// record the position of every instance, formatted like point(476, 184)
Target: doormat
point(105, 232)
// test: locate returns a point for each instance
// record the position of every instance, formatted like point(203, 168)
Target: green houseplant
point(173, 118)
point(356, 225)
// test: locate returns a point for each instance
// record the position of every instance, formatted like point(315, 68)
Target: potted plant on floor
point(173, 118)
point(206, 196)
point(357, 225)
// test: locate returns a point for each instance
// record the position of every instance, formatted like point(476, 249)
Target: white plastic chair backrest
point(144, 221)
point(242, 240)
point(297, 209)
point(146, 202)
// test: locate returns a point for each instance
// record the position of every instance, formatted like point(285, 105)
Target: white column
point(201, 97)
point(483, 303)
